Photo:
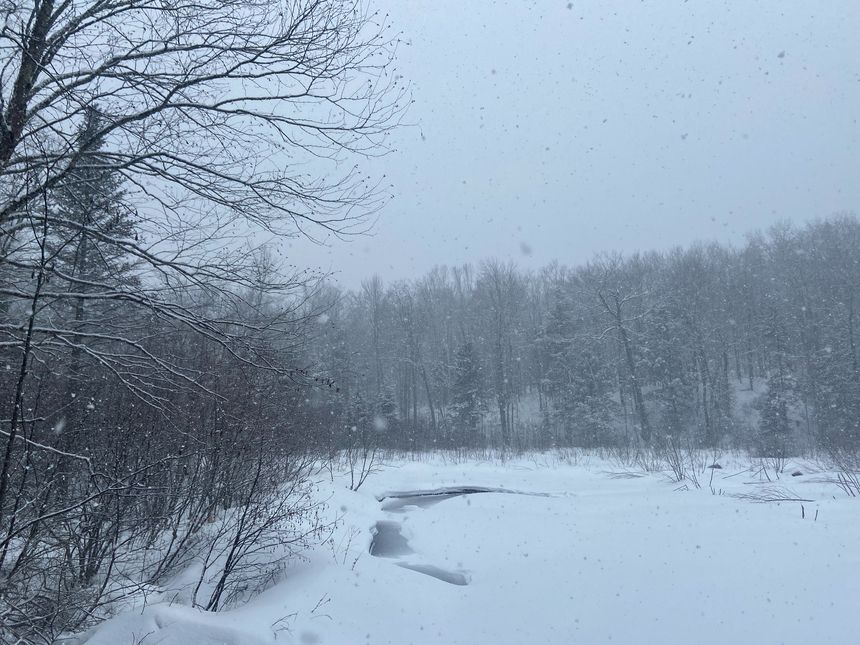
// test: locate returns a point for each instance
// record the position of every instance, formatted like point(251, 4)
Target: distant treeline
point(752, 347)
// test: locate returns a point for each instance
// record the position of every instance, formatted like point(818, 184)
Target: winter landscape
point(560, 547)
point(364, 322)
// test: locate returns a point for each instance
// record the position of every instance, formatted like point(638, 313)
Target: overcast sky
point(553, 130)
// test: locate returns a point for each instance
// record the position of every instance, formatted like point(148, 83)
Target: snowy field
point(558, 552)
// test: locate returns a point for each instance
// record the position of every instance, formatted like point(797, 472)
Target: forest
point(751, 347)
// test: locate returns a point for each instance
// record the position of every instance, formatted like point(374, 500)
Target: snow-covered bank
point(596, 557)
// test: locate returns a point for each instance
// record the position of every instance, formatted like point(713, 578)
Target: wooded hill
point(753, 346)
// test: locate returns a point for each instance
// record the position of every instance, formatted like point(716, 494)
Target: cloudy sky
point(553, 130)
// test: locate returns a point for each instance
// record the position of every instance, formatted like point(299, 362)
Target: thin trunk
point(851, 343)
point(705, 377)
point(429, 399)
point(750, 362)
point(638, 399)
point(18, 400)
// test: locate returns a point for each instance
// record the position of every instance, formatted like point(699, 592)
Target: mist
point(548, 131)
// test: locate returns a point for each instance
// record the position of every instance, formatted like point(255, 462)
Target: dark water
point(397, 502)
point(388, 541)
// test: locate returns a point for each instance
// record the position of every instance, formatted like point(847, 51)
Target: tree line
point(716, 346)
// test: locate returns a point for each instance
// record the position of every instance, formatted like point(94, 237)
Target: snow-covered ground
point(588, 553)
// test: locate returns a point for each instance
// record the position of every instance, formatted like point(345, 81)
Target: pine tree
point(92, 224)
point(774, 425)
point(385, 417)
point(669, 369)
point(358, 416)
point(92, 217)
point(467, 401)
point(578, 379)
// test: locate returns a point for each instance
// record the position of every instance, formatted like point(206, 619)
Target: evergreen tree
point(467, 400)
point(578, 379)
point(358, 416)
point(774, 424)
point(92, 217)
point(668, 368)
point(92, 225)
point(385, 417)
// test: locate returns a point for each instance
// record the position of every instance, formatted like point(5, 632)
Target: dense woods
point(752, 347)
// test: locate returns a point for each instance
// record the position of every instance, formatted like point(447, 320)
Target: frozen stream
point(388, 540)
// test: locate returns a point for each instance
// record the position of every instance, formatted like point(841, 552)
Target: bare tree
point(147, 151)
point(207, 105)
point(500, 288)
point(616, 296)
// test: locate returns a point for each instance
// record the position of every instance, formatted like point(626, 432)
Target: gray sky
point(547, 130)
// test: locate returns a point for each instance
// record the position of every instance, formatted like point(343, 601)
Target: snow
point(554, 552)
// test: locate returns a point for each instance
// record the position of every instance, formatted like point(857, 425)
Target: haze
point(555, 130)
